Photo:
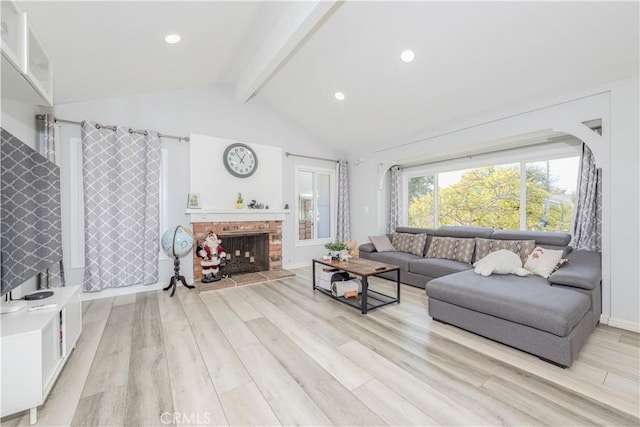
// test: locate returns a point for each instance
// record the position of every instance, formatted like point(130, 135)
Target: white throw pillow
point(502, 261)
point(542, 261)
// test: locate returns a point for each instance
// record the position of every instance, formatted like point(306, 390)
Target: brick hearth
point(225, 229)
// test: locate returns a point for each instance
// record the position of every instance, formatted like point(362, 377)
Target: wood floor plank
point(234, 329)
point(147, 329)
point(191, 386)
point(97, 311)
point(631, 340)
point(105, 408)
point(390, 406)
point(124, 299)
point(370, 331)
point(548, 411)
point(340, 406)
point(344, 370)
point(623, 384)
point(239, 305)
point(245, 406)
point(225, 368)
point(312, 316)
point(148, 387)
point(288, 400)
point(424, 363)
point(170, 308)
point(431, 401)
point(540, 369)
point(110, 367)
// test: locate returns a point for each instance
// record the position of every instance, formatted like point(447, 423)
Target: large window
point(525, 195)
point(315, 205)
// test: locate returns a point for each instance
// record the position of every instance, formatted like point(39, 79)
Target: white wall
point(616, 152)
point(209, 111)
point(219, 189)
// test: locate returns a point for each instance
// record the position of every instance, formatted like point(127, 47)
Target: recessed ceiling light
point(339, 96)
point(407, 56)
point(172, 39)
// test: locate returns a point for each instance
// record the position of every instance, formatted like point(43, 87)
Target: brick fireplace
point(253, 228)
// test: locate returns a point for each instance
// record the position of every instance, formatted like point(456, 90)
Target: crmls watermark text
point(191, 418)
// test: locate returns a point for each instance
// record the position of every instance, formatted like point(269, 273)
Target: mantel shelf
point(236, 215)
point(243, 211)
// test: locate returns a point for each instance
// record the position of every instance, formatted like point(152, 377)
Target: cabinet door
point(21, 372)
point(39, 67)
point(13, 34)
point(51, 349)
point(72, 323)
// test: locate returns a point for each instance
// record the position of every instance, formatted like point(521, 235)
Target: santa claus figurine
point(211, 253)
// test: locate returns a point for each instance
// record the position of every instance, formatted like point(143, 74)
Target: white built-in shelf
point(236, 215)
point(34, 347)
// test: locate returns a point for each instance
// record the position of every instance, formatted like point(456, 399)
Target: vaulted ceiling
point(470, 57)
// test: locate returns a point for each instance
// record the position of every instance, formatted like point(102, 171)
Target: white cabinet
point(34, 346)
point(12, 33)
point(23, 52)
point(39, 69)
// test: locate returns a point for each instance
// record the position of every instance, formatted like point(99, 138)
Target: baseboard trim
point(296, 265)
point(116, 292)
point(620, 323)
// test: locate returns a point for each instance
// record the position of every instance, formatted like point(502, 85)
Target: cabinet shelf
point(34, 347)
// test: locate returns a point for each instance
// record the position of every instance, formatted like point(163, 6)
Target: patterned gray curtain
point(343, 233)
point(587, 223)
point(121, 173)
point(54, 275)
point(395, 203)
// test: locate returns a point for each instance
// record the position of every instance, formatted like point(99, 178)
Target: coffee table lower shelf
point(368, 299)
point(374, 299)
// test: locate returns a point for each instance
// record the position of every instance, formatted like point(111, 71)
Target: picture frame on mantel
point(193, 202)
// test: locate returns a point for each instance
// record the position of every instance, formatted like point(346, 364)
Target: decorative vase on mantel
point(239, 201)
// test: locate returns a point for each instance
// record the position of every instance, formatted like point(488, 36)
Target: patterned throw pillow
point(542, 261)
point(411, 243)
point(453, 248)
point(520, 247)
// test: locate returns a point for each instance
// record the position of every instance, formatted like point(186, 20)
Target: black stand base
point(173, 284)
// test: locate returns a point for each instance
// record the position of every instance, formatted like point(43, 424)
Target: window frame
point(522, 156)
point(333, 208)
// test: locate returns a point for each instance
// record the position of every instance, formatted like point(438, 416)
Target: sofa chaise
point(548, 317)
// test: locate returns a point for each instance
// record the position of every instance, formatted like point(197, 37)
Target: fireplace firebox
point(246, 253)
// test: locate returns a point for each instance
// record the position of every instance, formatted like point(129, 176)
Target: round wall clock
point(240, 160)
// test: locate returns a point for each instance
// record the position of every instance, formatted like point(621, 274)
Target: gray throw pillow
point(410, 243)
point(454, 248)
point(382, 243)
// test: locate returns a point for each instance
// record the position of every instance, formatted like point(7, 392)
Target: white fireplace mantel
point(236, 215)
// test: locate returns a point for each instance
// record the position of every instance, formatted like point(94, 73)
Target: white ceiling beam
point(301, 19)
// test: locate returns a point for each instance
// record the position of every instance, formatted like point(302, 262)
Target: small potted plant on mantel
point(336, 251)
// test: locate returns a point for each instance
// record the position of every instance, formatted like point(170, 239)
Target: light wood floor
point(280, 354)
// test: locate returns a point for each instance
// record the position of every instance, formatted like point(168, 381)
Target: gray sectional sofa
point(550, 318)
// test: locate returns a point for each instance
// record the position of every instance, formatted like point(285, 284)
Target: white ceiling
point(471, 57)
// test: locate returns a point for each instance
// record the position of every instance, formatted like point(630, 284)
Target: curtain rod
point(113, 128)
point(310, 157)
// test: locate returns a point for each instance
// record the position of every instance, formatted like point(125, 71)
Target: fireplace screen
point(246, 254)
